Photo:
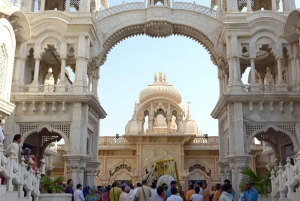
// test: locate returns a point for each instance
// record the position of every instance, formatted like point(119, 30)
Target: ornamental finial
point(155, 77)
point(160, 77)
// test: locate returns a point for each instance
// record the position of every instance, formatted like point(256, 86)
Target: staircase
point(17, 178)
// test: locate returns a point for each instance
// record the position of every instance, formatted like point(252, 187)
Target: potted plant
point(50, 185)
point(261, 181)
point(53, 189)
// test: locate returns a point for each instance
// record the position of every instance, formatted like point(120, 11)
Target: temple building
point(160, 128)
point(43, 41)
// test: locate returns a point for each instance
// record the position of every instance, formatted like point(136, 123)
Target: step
point(2, 192)
point(11, 195)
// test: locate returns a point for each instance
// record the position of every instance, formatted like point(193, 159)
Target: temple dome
point(188, 124)
point(132, 125)
point(160, 88)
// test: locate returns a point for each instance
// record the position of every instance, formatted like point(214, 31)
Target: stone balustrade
point(263, 88)
point(18, 175)
point(112, 140)
point(285, 179)
point(13, 3)
point(141, 5)
point(46, 88)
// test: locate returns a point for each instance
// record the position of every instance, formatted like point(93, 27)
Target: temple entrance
point(278, 144)
point(43, 145)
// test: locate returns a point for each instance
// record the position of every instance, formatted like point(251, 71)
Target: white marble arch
point(265, 129)
point(122, 174)
point(117, 27)
point(49, 128)
point(197, 174)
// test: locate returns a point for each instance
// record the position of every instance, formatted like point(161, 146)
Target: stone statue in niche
point(49, 80)
point(269, 79)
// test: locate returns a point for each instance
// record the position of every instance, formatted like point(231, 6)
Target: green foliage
point(261, 181)
point(52, 185)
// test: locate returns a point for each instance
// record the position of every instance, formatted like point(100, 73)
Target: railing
point(123, 7)
point(263, 88)
point(266, 88)
point(195, 7)
point(200, 140)
point(47, 88)
point(17, 174)
point(141, 5)
point(286, 178)
point(113, 140)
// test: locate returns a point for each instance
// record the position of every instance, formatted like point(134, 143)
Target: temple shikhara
point(44, 44)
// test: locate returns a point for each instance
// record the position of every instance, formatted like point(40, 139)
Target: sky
point(131, 66)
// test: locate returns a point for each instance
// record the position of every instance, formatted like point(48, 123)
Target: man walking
point(15, 145)
point(115, 192)
point(206, 192)
point(197, 196)
point(226, 194)
point(69, 188)
point(173, 185)
point(251, 193)
point(78, 195)
point(125, 196)
point(227, 181)
point(144, 192)
point(174, 196)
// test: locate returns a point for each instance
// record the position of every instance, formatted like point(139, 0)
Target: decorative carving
point(152, 153)
point(3, 64)
point(118, 168)
point(51, 41)
point(199, 167)
point(65, 128)
point(253, 128)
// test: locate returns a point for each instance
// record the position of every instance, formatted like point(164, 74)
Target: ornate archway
point(165, 21)
point(276, 137)
point(39, 137)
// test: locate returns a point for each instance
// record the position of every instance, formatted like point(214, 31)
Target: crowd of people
point(142, 192)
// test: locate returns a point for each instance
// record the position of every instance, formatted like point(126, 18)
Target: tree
point(261, 181)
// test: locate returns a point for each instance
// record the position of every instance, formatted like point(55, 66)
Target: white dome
point(189, 126)
point(132, 127)
point(160, 88)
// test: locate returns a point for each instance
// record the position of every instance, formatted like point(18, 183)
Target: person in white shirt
point(131, 195)
point(197, 196)
point(226, 194)
point(138, 185)
point(16, 147)
point(200, 185)
point(153, 192)
point(2, 136)
point(78, 195)
point(174, 196)
point(125, 196)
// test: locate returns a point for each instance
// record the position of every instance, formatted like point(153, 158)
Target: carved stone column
point(179, 123)
point(249, 8)
point(76, 165)
point(140, 124)
point(91, 171)
point(169, 119)
point(150, 123)
point(281, 86)
point(232, 6)
point(81, 65)
point(61, 86)
point(230, 68)
point(254, 84)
